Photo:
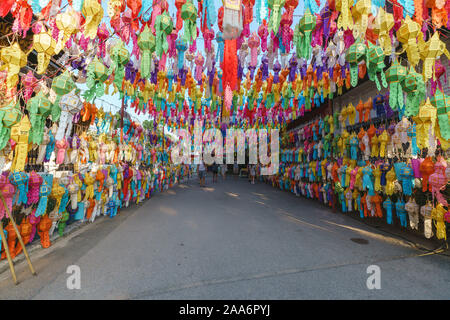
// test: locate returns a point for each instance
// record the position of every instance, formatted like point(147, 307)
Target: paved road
point(231, 240)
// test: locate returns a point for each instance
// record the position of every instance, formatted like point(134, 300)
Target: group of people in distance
point(251, 171)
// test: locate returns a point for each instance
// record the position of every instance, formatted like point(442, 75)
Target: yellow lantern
point(19, 133)
point(361, 12)
point(45, 46)
point(384, 22)
point(344, 20)
point(14, 59)
point(407, 35)
point(93, 13)
point(68, 24)
point(429, 51)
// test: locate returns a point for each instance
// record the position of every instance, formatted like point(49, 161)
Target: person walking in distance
point(201, 169)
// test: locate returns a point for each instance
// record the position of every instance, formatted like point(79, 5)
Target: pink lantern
point(438, 181)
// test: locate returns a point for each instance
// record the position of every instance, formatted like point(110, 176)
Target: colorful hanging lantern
point(442, 103)
point(263, 34)
point(9, 115)
point(414, 87)
point(93, 14)
point(189, 15)
point(395, 75)
point(39, 108)
point(61, 85)
point(361, 12)
point(275, 14)
point(303, 33)
point(355, 54)
point(429, 51)
point(179, 5)
point(14, 59)
point(439, 14)
point(68, 24)
point(344, 21)
point(96, 76)
point(30, 82)
point(181, 49)
point(164, 27)
point(407, 35)
point(70, 105)
point(119, 57)
point(375, 64)
point(147, 44)
point(19, 134)
point(102, 35)
point(45, 46)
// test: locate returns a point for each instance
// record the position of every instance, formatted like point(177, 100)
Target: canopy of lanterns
point(260, 77)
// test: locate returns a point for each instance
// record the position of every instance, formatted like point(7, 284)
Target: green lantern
point(355, 54)
point(96, 76)
point(395, 76)
point(302, 34)
point(9, 116)
point(275, 15)
point(119, 57)
point(189, 15)
point(164, 27)
point(39, 108)
point(414, 86)
point(375, 64)
point(147, 44)
point(61, 85)
point(442, 103)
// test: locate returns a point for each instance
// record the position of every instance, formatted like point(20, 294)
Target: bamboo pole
point(25, 252)
point(8, 256)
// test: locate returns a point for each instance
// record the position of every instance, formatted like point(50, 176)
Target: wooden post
point(122, 114)
point(8, 256)
point(25, 252)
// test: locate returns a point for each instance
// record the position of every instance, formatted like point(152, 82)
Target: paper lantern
point(429, 51)
point(407, 35)
point(375, 64)
point(19, 134)
point(232, 19)
point(45, 46)
point(96, 76)
point(414, 87)
point(93, 14)
point(39, 108)
point(361, 12)
point(14, 59)
point(29, 82)
point(61, 85)
point(70, 105)
point(302, 34)
point(9, 116)
point(344, 21)
point(384, 22)
point(442, 103)
point(395, 76)
point(189, 15)
point(147, 44)
point(164, 27)
point(119, 57)
point(68, 24)
point(355, 54)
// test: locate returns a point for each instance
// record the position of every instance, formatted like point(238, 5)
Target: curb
point(4, 266)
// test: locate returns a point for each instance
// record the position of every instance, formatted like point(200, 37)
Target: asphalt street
point(230, 240)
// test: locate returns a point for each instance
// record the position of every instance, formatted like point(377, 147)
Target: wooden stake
point(8, 256)
point(25, 252)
